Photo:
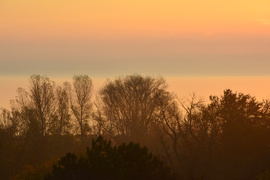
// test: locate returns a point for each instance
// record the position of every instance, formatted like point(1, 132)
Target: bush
point(102, 162)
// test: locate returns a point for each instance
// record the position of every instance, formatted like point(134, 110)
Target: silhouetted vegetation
point(226, 137)
point(102, 161)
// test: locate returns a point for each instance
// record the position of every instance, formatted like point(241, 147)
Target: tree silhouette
point(103, 162)
point(42, 96)
point(131, 104)
point(62, 119)
point(80, 100)
point(226, 137)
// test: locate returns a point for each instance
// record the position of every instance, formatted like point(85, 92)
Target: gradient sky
point(197, 45)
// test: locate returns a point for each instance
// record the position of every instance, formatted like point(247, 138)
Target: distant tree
point(244, 136)
point(5, 121)
point(10, 144)
point(24, 115)
point(104, 162)
point(43, 98)
point(130, 105)
point(228, 135)
point(80, 101)
point(238, 134)
point(62, 120)
point(183, 135)
point(100, 126)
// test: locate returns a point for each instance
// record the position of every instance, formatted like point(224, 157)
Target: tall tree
point(183, 135)
point(62, 119)
point(23, 114)
point(80, 100)
point(4, 118)
point(131, 104)
point(238, 134)
point(244, 134)
point(42, 96)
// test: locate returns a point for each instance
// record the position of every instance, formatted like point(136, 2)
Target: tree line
point(226, 137)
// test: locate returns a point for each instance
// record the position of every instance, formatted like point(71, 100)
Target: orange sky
point(114, 18)
point(225, 43)
point(183, 87)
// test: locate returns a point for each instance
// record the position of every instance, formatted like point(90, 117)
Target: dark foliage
point(225, 138)
point(103, 162)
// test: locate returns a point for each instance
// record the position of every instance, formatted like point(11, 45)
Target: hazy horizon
point(202, 47)
point(183, 87)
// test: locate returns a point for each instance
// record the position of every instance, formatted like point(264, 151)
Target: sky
point(198, 46)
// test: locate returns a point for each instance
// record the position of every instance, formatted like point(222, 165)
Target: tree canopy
point(226, 137)
point(104, 162)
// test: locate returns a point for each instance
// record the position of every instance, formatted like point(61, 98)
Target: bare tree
point(42, 96)
point(100, 125)
point(23, 115)
point(80, 100)
point(131, 104)
point(62, 122)
point(170, 129)
point(185, 135)
point(5, 119)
